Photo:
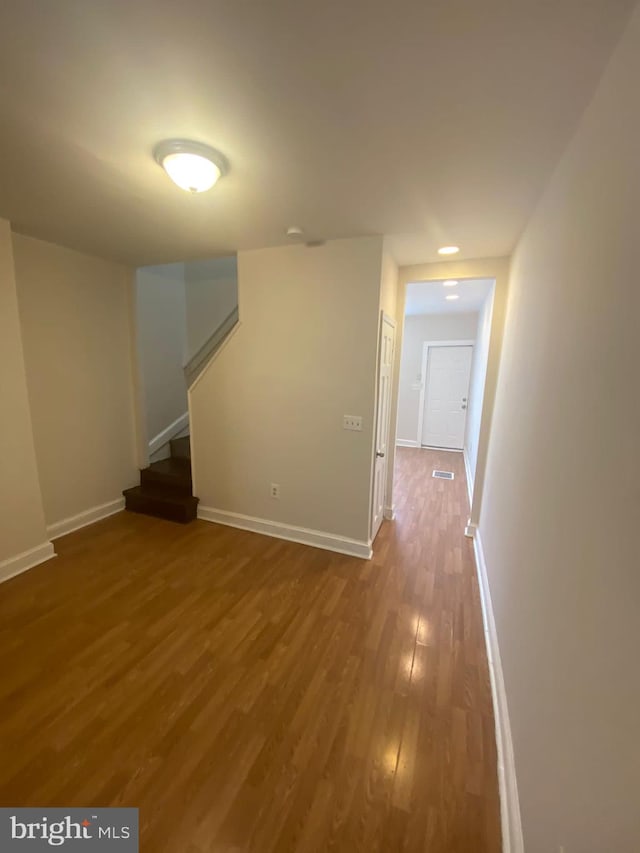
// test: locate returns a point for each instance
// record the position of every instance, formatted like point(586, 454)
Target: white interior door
point(446, 396)
point(385, 367)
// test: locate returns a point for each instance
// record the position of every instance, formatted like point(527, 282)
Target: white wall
point(476, 386)
point(211, 295)
point(22, 523)
point(419, 328)
point(269, 408)
point(162, 344)
point(561, 510)
point(74, 313)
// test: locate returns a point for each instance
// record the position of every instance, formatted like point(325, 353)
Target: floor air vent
point(443, 475)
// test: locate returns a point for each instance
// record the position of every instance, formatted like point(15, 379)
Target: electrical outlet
point(275, 490)
point(353, 422)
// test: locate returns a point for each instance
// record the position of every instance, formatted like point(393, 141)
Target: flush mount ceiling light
point(448, 250)
point(294, 231)
point(450, 282)
point(452, 296)
point(191, 165)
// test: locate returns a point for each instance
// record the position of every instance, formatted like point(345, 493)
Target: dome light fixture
point(450, 282)
point(194, 167)
point(448, 250)
point(452, 296)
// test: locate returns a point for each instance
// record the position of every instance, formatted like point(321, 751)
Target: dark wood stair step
point(161, 503)
point(180, 447)
point(170, 474)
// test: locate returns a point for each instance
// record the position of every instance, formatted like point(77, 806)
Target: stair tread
point(159, 494)
point(161, 503)
point(173, 467)
point(181, 447)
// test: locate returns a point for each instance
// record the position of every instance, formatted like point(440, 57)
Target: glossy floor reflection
point(249, 694)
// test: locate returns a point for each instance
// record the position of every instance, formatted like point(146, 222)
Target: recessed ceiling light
point(448, 250)
point(450, 282)
point(194, 167)
point(453, 296)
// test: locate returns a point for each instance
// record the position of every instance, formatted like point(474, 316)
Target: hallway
point(251, 694)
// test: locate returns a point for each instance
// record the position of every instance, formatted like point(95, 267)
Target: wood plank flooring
point(249, 694)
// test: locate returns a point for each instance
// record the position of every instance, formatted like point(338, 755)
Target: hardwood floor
point(249, 694)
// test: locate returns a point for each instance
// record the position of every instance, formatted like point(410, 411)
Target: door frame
point(496, 271)
point(423, 377)
point(383, 317)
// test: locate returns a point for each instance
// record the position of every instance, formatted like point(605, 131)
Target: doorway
point(443, 364)
point(446, 368)
point(180, 311)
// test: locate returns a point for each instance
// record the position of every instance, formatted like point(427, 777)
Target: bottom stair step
point(161, 504)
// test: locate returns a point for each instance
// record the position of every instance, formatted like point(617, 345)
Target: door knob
point(464, 406)
point(381, 455)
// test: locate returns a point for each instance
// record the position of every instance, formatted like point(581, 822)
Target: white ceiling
point(440, 119)
point(428, 297)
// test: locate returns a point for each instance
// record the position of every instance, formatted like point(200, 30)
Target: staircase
point(165, 489)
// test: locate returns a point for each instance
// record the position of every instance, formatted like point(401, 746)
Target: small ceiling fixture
point(448, 250)
point(450, 282)
point(294, 231)
point(191, 165)
point(452, 296)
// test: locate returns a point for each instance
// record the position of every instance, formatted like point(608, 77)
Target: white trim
point(423, 378)
point(315, 538)
point(88, 516)
point(375, 448)
point(167, 434)
point(26, 560)
point(443, 449)
point(467, 469)
point(403, 442)
point(512, 841)
point(389, 513)
point(470, 529)
point(460, 342)
point(222, 346)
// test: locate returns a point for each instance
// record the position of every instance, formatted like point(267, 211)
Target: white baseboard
point(315, 538)
point(89, 516)
point(179, 425)
point(467, 468)
point(26, 560)
point(470, 529)
point(389, 513)
point(512, 841)
point(403, 442)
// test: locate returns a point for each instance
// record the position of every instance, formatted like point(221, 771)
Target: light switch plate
point(353, 422)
